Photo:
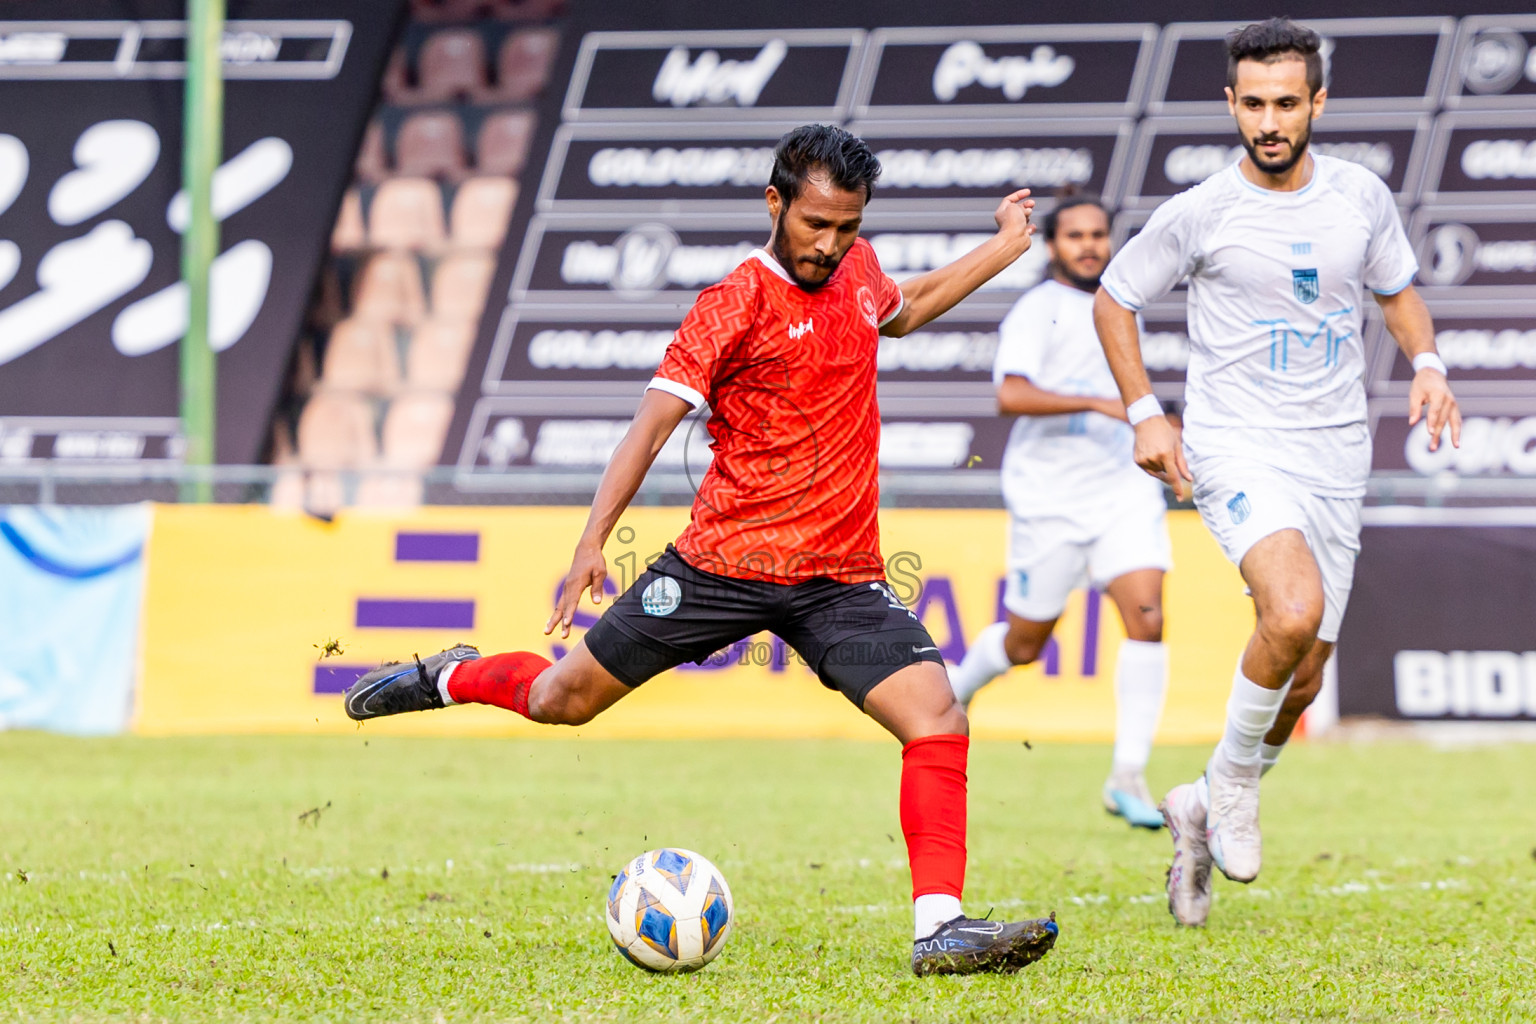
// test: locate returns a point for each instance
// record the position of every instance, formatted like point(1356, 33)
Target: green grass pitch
point(463, 880)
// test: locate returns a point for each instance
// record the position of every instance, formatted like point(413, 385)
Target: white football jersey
point(1276, 362)
point(1077, 464)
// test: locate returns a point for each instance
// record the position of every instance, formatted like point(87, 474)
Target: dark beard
point(1084, 284)
point(781, 253)
point(1298, 150)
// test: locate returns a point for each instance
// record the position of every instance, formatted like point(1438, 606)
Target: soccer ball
point(669, 910)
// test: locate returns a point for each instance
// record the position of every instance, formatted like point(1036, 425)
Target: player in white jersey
point(1080, 509)
point(1276, 248)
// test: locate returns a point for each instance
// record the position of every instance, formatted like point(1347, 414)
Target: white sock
point(1141, 679)
point(932, 909)
point(1203, 793)
point(984, 661)
point(1269, 753)
point(442, 682)
point(1251, 713)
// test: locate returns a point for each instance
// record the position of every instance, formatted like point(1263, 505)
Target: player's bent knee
point(560, 705)
point(1023, 650)
point(1146, 627)
point(1294, 624)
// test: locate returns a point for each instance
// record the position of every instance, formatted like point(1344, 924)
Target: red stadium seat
point(482, 209)
point(451, 65)
point(372, 165)
point(336, 431)
point(502, 146)
point(431, 145)
point(361, 356)
point(407, 213)
point(523, 64)
point(349, 234)
point(389, 290)
point(459, 285)
point(414, 429)
point(438, 353)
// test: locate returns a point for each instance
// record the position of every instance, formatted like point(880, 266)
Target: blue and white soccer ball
point(669, 910)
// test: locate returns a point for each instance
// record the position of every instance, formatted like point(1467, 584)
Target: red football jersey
point(789, 376)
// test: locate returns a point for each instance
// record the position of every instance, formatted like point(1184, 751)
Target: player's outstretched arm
point(1020, 396)
point(931, 295)
point(1409, 322)
point(1158, 450)
point(658, 415)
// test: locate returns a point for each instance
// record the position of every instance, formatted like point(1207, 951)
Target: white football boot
point(1189, 876)
point(1232, 823)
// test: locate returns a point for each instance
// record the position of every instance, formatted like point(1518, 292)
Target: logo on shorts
point(1021, 582)
point(662, 597)
point(1239, 508)
point(1304, 284)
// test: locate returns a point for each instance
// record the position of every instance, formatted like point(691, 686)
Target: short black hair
point(1274, 40)
point(1069, 198)
point(839, 153)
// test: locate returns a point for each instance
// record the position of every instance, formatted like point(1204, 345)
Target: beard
point(1078, 281)
point(780, 248)
point(1277, 167)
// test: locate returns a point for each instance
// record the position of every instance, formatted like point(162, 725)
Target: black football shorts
point(852, 635)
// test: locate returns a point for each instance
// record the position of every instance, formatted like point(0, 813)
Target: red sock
point(501, 680)
point(933, 812)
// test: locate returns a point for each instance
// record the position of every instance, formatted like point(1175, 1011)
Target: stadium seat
point(389, 490)
point(482, 208)
point(438, 353)
point(349, 235)
point(414, 429)
point(459, 285)
point(431, 145)
point(407, 213)
point(395, 86)
point(523, 63)
point(389, 290)
point(502, 146)
point(372, 165)
point(451, 65)
point(336, 431)
point(361, 356)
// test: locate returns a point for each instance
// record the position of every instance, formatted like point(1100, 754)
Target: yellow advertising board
point(241, 602)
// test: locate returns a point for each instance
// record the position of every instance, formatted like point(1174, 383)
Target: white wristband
point(1144, 408)
point(1429, 361)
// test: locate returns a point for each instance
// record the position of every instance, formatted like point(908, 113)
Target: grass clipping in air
point(387, 879)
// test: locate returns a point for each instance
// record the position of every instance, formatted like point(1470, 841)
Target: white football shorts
point(1243, 501)
point(1050, 556)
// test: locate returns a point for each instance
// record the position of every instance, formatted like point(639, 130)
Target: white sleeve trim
point(895, 312)
point(1118, 300)
point(1406, 282)
point(682, 391)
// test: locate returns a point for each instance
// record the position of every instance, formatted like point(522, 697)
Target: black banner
point(1409, 651)
point(91, 308)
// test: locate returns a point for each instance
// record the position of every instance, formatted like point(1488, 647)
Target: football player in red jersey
point(784, 534)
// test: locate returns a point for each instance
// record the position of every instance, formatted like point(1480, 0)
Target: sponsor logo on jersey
point(1490, 445)
point(965, 64)
point(662, 597)
point(684, 81)
point(1239, 508)
point(1282, 333)
point(1482, 684)
point(1497, 59)
point(808, 326)
point(1304, 284)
